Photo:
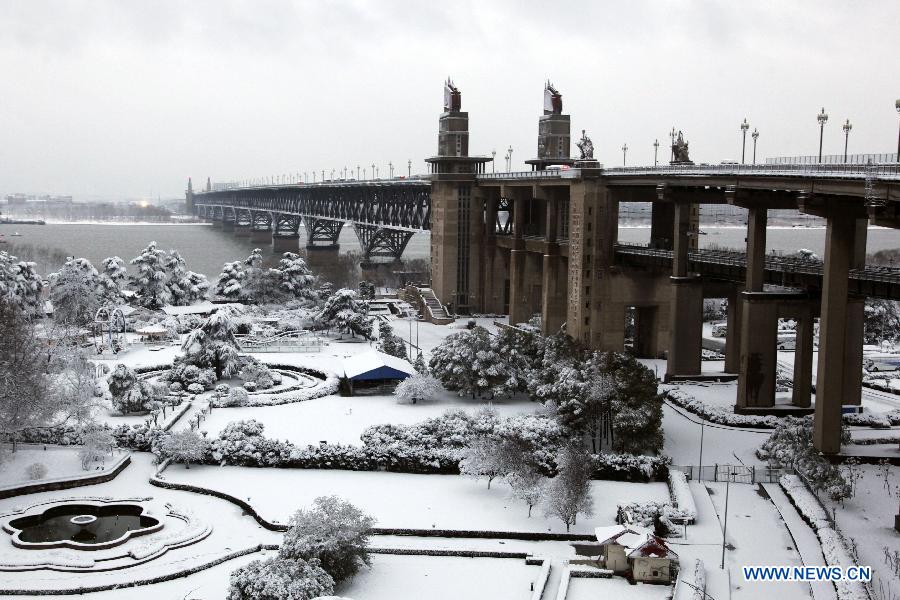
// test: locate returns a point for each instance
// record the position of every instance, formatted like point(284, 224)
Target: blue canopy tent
point(375, 366)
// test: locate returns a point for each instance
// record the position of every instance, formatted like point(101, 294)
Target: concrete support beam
point(734, 326)
point(554, 301)
point(756, 248)
point(803, 358)
point(756, 381)
point(285, 243)
point(686, 327)
point(646, 331)
point(840, 244)
point(551, 216)
point(852, 363)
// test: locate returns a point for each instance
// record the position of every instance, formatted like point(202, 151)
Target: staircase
point(428, 304)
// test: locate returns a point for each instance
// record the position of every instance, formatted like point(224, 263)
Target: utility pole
point(725, 527)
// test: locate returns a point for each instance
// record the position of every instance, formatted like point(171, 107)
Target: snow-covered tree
point(420, 365)
point(527, 486)
point(882, 321)
point(415, 388)
point(485, 457)
point(325, 290)
point(260, 284)
point(345, 312)
point(635, 403)
point(31, 393)
point(230, 282)
point(280, 579)
point(20, 284)
point(184, 287)
point(569, 493)
point(389, 342)
point(467, 363)
point(259, 374)
point(332, 531)
point(213, 345)
point(113, 276)
point(97, 443)
point(366, 290)
point(74, 292)
point(149, 280)
point(129, 393)
point(296, 278)
point(184, 446)
point(520, 352)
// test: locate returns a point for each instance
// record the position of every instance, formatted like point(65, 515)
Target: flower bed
point(716, 414)
point(681, 494)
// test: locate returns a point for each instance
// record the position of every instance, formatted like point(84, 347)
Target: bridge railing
point(545, 174)
point(224, 186)
point(854, 171)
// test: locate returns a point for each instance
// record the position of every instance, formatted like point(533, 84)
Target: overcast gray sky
point(128, 98)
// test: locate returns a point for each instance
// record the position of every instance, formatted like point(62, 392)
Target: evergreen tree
point(389, 342)
point(467, 363)
point(149, 281)
point(113, 276)
point(230, 282)
point(346, 313)
point(184, 287)
point(20, 284)
point(420, 365)
point(296, 278)
point(213, 345)
point(260, 284)
point(73, 292)
point(635, 404)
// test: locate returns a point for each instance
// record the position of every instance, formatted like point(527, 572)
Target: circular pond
point(82, 526)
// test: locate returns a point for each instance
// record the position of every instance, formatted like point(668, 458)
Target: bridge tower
point(554, 133)
point(457, 209)
point(189, 198)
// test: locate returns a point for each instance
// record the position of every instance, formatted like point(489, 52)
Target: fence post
point(752, 473)
point(716, 472)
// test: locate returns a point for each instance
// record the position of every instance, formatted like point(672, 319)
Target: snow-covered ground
point(407, 500)
point(60, 462)
point(583, 588)
point(337, 419)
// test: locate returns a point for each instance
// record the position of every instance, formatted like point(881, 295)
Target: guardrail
point(853, 171)
point(234, 185)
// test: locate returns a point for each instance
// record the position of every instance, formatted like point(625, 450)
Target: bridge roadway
point(871, 281)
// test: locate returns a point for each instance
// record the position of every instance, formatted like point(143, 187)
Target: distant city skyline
point(126, 100)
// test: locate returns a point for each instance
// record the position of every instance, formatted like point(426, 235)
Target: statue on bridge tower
point(586, 146)
point(452, 97)
point(680, 150)
point(554, 132)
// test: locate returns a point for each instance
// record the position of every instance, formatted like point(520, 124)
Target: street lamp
point(847, 127)
point(373, 171)
point(494, 152)
point(744, 127)
point(506, 158)
point(655, 151)
point(755, 136)
point(391, 167)
point(624, 152)
point(409, 168)
point(332, 174)
point(897, 105)
point(509, 150)
point(357, 171)
point(672, 145)
point(822, 118)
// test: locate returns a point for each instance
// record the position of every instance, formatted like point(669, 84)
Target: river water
point(206, 249)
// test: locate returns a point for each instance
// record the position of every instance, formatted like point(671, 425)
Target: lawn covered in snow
point(406, 500)
point(60, 462)
point(337, 419)
point(583, 588)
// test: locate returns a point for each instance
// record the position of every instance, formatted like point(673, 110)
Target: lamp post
point(509, 150)
point(846, 127)
point(323, 174)
point(409, 168)
point(357, 171)
point(672, 145)
point(494, 156)
point(332, 174)
point(897, 106)
point(755, 136)
point(364, 173)
point(391, 167)
point(506, 158)
point(744, 127)
point(655, 151)
point(822, 118)
point(624, 152)
point(373, 171)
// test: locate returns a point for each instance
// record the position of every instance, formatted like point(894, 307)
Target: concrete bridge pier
point(261, 236)
point(285, 243)
point(322, 234)
point(242, 231)
point(832, 372)
point(756, 381)
point(733, 331)
point(228, 225)
point(686, 311)
point(803, 358)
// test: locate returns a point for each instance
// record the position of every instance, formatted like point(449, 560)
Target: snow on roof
point(371, 363)
point(653, 546)
point(637, 541)
point(201, 308)
point(152, 329)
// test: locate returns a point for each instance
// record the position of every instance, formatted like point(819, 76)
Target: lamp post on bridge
point(846, 127)
point(391, 167)
point(323, 174)
point(755, 136)
point(364, 173)
point(332, 175)
point(624, 152)
point(744, 127)
point(494, 154)
point(655, 152)
point(506, 159)
point(672, 145)
point(509, 150)
point(305, 177)
point(409, 168)
point(373, 171)
point(357, 171)
point(822, 118)
point(897, 106)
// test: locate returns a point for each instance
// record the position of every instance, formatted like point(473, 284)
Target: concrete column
point(681, 242)
point(518, 299)
point(803, 351)
point(645, 331)
point(551, 217)
point(756, 248)
point(734, 326)
point(554, 291)
point(285, 243)
point(853, 353)
point(662, 223)
point(261, 236)
point(839, 247)
point(685, 328)
point(242, 230)
point(756, 381)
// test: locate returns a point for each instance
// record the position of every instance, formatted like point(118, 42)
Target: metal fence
point(733, 473)
point(833, 159)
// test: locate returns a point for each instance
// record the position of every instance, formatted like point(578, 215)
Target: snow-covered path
point(721, 444)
